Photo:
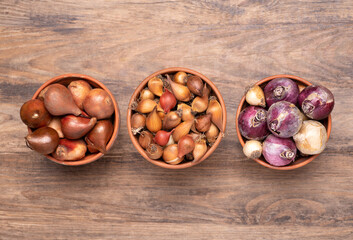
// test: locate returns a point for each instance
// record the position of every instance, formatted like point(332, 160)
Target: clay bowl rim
point(135, 95)
point(94, 156)
point(241, 139)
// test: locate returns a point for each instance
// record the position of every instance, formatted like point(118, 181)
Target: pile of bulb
point(66, 121)
point(287, 119)
point(176, 118)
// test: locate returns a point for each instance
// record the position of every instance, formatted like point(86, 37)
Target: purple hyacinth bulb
point(281, 89)
point(279, 151)
point(284, 119)
point(252, 123)
point(316, 102)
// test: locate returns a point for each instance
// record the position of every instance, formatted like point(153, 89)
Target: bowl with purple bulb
point(283, 122)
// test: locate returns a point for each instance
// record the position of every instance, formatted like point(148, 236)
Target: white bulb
point(311, 138)
point(255, 96)
point(252, 149)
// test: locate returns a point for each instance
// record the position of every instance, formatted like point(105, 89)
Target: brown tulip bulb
point(70, 150)
point(170, 155)
point(186, 112)
point(76, 127)
point(215, 109)
point(181, 92)
point(195, 85)
point(145, 106)
point(180, 77)
point(154, 151)
point(182, 129)
point(98, 104)
point(100, 135)
point(203, 123)
point(155, 85)
point(138, 122)
point(145, 139)
point(153, 121)
point(199, 150)
point(185, 145)
point(34, 114)
point(58, 101)
point(79, 90)
point(146, 94)
point(200, 104)
point(43, 140)
point(171, 120)
point(212, 134)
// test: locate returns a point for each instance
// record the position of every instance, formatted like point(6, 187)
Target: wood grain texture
point(122, 196)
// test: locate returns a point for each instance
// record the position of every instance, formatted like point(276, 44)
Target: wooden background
point(122, 196)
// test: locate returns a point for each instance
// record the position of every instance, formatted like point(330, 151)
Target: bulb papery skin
point(252, 149)
point(284, 119)
point(316, 102)
point(281, 89)
point(311, 138)
point(252, 123)
point(279, 151)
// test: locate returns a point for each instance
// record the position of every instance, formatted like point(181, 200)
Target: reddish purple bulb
point(284, 119)
point(281, 89)
point(279, 151)
point(316, 102)
point(252, 123)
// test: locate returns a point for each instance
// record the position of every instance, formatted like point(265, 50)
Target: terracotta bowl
point(135, 95)
point(66, 79)
point(302, 160)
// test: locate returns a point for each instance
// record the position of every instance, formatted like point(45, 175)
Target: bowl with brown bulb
point(72, 119)
point(176, 118)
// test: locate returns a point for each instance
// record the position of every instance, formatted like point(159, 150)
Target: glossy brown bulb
point(43, 140)
point(79, 90)
point(34, 114)
point(76, 127)
point(70, 150)
point(59, 101)
point(195, 85)
point(100, 135)
point(98, 104)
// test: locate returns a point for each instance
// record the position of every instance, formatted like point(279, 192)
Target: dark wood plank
point(122, 196)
